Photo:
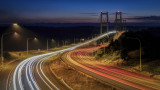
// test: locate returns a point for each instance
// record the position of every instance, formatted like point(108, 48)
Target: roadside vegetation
point(124, 52)
point(75, 79)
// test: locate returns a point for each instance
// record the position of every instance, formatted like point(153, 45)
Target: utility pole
point(103, 21)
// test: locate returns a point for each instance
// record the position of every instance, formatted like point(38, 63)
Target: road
point(34, 73)
point(30, 74)
point(6, 73)
point(80, 59)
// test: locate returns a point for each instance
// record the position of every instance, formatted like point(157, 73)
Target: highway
point(80, 60)
point(6, 74)
point(34, 74)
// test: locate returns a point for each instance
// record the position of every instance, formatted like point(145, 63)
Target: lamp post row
point(2, 57)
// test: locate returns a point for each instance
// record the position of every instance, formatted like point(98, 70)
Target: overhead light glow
point(15, 24)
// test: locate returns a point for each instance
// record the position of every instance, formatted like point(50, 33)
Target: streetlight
point(2, 58)
point(140, 50)
point(15, 24)
point(63, 42)
point(52, 40)
point(47, 45)
point(74, 40)
point(27, 43)
point(57, 43)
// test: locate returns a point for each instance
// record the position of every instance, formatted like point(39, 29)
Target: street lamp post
point(140, 51)
point(58, 44)
point(63, 42)
point(74, 40)
point(2, 58)
point(28, 43)
point(47, 45)
point(53, 42)
point(2, 49)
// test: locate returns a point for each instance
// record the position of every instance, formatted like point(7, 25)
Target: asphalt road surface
point(80, 59)
point(6, 74)
point(34, 73)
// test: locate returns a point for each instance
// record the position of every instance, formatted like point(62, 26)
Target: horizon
point(154, 24)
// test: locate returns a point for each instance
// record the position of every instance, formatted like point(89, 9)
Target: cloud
point(148, 19)
point(152, 18)
point(90, 14)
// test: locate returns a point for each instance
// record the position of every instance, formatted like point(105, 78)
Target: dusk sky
point(76, 11)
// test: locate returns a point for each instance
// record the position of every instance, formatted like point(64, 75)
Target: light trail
point(80, 60)
point(26, 66)
point(42, 77)
point(45, 75)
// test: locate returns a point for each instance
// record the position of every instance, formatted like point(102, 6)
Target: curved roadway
point(34, 73)
point(80, 59)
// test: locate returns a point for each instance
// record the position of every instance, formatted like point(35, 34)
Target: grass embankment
point(124, 53)
point(109, 56)
point(76, 80)
point(150, 68)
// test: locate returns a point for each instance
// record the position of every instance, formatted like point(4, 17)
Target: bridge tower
point(118, 21)
point(103, 21)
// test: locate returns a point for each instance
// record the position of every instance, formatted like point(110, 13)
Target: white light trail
point(29, 63)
